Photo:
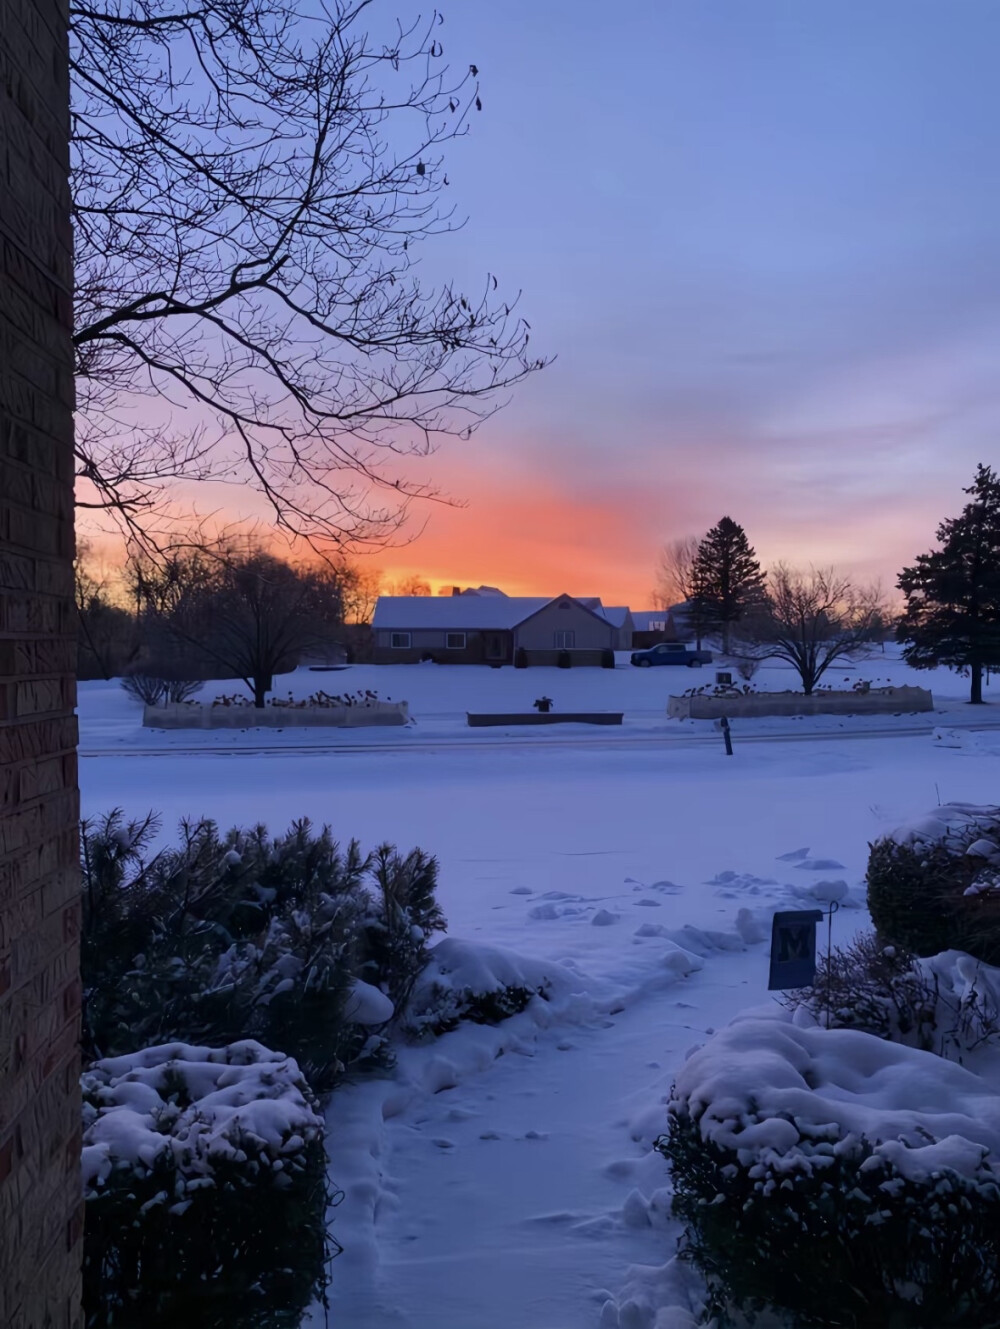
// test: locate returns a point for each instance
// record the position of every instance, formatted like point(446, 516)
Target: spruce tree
point(728, 581)
point(952, 614)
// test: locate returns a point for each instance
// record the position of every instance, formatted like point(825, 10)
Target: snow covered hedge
point(837, 1177)
point(934, 884)
point(205, 1183)
point(291, 940)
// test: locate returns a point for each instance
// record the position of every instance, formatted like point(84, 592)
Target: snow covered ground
point(439, 697)
point(503, 1177)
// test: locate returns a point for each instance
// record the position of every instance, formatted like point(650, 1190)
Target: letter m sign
point(793, 948)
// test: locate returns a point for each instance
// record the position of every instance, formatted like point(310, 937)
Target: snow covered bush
point(837, 1178)
point(948, 1004)
point(204, 1178)
point(246, 935)
point(934, 884)
point(482, 984)
point(146, 688)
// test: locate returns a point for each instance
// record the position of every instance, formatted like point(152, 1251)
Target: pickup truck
point(668, 654)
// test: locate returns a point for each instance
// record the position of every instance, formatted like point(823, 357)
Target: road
point(603, 740)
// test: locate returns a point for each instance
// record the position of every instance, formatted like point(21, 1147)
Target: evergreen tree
point(952, 614)
point(727, 578)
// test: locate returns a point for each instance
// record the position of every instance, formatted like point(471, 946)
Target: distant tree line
point(216, 609)
point(811, 619)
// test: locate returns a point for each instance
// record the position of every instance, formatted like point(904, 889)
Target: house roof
point(616, 615)
point(458, 613)
point(641, 618)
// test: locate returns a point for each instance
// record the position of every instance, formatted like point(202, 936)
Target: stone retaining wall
point(879, 701)
point(184, 715)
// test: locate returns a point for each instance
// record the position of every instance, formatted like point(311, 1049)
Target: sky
point(761, 239)
point(763, 242)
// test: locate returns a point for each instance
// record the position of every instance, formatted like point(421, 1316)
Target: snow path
point(498, 1202)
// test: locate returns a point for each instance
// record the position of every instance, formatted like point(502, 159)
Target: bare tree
point(244, 615)
point(412, 585)
point(251, 181)
point(675, 571)
point(107, 640)
point(676, 582)
point(811, 620)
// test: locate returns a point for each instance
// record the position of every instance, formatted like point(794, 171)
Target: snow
point(367, 1005)
point(769, 1089)
point(498, 1175)
point(240, 1094)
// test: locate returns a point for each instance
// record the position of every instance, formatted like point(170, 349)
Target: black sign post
point(793, 949)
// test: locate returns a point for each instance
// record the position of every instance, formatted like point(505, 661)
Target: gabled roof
point(457, 613)
point(616, 615)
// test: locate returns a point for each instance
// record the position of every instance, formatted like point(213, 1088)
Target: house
point(487, 627)
point(651, 626)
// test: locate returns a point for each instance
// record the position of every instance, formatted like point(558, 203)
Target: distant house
point(487, 627)
point(651, 626)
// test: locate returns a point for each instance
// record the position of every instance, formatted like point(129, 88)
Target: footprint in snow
point(443, 1143)
point(649, 904)
point(536, 1135)
point(522, 890)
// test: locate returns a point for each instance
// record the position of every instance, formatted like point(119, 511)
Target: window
point(455, 641)
point(563, 640)
point(399, 641)
point(657, 625)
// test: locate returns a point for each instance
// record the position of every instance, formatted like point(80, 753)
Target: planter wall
point(195, 715)
point(879, 701)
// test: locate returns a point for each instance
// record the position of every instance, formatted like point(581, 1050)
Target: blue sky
point(763, 239)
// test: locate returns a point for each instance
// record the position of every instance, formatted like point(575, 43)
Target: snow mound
point(367, 1005)
point(194, 1107)
point(796, 1097)
point(956, 827)
point(461, 974)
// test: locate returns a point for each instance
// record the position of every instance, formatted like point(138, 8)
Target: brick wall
point(40, 1209)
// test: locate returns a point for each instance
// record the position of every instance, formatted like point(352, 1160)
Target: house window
point(399, 641)
point(657, 625)
point(564, 641)
point(455, 641)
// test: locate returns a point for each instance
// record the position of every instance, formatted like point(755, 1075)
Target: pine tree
point(728, 581)
point(952, 614)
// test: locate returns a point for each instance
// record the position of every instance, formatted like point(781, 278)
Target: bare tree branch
point(250, 187)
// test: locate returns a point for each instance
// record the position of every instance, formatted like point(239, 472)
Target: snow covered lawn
point(439, 696)
point(503, 1176)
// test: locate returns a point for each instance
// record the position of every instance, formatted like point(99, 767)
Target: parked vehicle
point(668, 654)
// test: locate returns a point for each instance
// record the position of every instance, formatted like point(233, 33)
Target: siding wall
point(433, 641)
point(537, 632)
point(40, 1207)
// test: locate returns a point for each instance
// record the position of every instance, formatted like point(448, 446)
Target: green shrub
point(206, 1192)
point(247, 935)
point(564, 660)
point(916, 897)
point(607, 658)
point(520, 658)
point(840, 1240)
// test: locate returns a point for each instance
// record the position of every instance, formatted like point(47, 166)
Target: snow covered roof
point(459, 613)
point(613, 614)
point(641, 618)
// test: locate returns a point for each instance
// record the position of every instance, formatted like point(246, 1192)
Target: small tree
point(952, 614)
point(245, 615)
point(675, 581)
point(813, 619)
point(106, 632)
point(727, 581)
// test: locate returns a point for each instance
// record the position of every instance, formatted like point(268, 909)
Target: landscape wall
point(41, 1209)
point(880, 701)
point(184, 715)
